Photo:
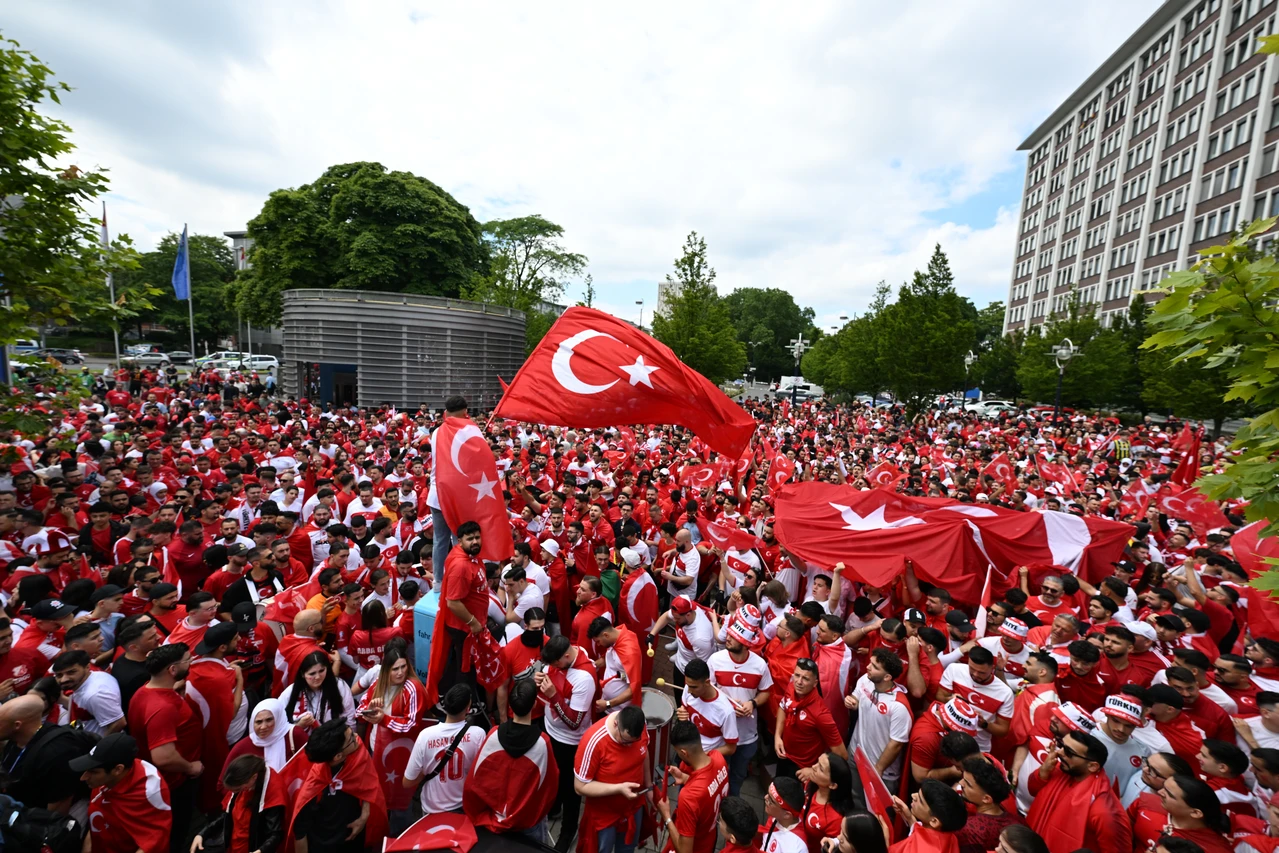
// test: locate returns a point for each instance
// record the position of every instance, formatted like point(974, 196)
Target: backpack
point(36, 830)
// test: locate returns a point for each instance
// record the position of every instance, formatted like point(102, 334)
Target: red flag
point(1055, 472)
point(884, 475)
point(1188, 468)
point(878, 800)
point(446, 831)
point(357, 778)
point(780, 471)
point(594, 370)
point(1001, 468)
point(468, 485)
point(1252, 553)
point(725, 536)
point(502, 382)
point(698, 476)
point(1192, 506)
point(1136, 498)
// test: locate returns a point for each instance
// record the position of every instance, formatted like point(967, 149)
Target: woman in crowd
point(317, 695)
point(830, 797)
point(271, 736)
point(393, 709)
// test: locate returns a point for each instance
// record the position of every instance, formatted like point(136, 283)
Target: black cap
point(1170, 622)
point(1126, 565)
point(162, 589)
point(217, 634)
point(957, 619)
point(236, 549)
point(106, 591)
point(111, 751)
point(51, 609)
point(244, 616)
point(914, 615)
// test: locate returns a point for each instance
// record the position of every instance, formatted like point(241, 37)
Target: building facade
point(370, 348)
point(1161, 152)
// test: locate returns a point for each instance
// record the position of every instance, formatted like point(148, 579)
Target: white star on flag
point(873, 520)
point(639, 371)
point(484, 488)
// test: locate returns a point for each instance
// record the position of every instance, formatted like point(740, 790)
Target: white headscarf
point(273, 745)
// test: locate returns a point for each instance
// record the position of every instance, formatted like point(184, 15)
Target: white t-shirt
point(716, 720)
point(1263, 736)
point(614, 680)
point(698, 640)
point(581, 700)
point(97, 702)
point(741, 682)
point(444, 792)
point(686, 565)
point(882, 718)
point(539, 577)
point(785, 841)
point(531, 597)
point(1014, 662)
point(1123, 760)
point(738, 563)
point(991, 700)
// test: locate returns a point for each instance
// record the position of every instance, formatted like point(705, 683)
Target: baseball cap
point(1142, 629)
point(236, 549)
point(244, 616)
point(630, 557)
point(914, 615)
point(957, 715)
point(551, 547)
point(682, 604)
point(1171, 622)
point(1014, 629)
point(1123, 708)
point(51, 609)
point(111, 751)
point(1126, 565)
point(216, 635)
point(106, 591)
point(1074, 717)
point(162, 589)
point(958, 619)
point(664, 471)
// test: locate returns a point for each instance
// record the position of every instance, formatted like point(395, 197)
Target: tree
point(1094, 377)
point(588, 293)
point(767, 320)
point(362, 227)
point(1187, 389)
point(1220, 314)
point(990, 324)
point(53, 268)
point(536, 325)
point(995, 371)
point(212, 269)
point(930, 329)
point(529, 265)
point(695, 322)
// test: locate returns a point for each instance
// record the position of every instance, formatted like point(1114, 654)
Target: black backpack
point(36, 830)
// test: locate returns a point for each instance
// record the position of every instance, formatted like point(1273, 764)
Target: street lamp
point(1062, 354)
point(969, 361)
point(798, 346)
point(640, 303)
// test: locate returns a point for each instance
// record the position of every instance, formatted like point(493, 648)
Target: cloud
point(819, 148)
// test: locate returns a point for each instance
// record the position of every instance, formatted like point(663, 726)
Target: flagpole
point(190, 298)
point(115, 325)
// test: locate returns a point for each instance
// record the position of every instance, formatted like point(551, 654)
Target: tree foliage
point(53, 268)
point(212, 270)
point(362, 227)
point(767, 320)
point(1221, 315)
point(528, 264)
point(1095, 376)
point(695, 322)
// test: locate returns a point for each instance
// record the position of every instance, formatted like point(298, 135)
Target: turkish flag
point(468, 486)
point(883, 475)
point(1187, 470)
point(357, 778)
point(1192, 506)
point(698, 476)
point(780, 471)
point(725, 536)
point(878, 799)
point(1252, 552)
point(1001, 469)
point(1055, 472)
point(1136, 498)
point(435, 832)
point(593, 370)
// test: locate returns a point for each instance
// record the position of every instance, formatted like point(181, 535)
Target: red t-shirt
point(601, 759)
point(1089, 691)
point(24, 667)
point(810, 729)
point(464, 581)
point(157, 717)
point(699, 799)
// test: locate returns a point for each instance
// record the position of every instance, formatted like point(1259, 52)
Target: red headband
point(781, 804)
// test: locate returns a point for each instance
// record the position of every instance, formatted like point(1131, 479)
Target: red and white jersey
point(882, 718)
point(716, 720)
point(1014, 662)
point(741, 682)
point(780, 840)
point(738, 563)
point(991, 700)
point(444, 792)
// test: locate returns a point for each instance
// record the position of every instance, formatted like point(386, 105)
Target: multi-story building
point(1166, 147)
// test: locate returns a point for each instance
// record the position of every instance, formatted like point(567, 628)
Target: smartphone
point(643, 790)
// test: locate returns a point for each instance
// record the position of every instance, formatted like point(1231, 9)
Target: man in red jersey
point(804, 728)
point(1081, 682)
point(466, 599)
point(19, 668)
point(703, 777)
point(611, 767)
point(129, 807)
point(1074, 803)
point(591, 605)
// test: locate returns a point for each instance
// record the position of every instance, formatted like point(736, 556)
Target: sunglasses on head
point(806, 664)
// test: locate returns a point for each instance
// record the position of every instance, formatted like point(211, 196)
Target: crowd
point(209, 640)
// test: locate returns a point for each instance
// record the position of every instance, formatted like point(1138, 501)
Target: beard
point(471, 550)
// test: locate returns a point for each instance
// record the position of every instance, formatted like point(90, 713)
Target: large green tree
point(212, 270)
point(767, 320)
point(695, 323)
point(1097, 376)
point(362, 227)
point(528, 264)
point(53, 268)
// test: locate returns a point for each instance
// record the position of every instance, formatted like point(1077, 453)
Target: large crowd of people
point(214, 599)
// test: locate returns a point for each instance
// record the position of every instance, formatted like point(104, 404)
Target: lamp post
point(969, 361)
point(798, 347)
point(1062, 354)
point(640, 303)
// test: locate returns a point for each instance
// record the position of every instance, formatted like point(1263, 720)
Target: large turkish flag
point(594, 370)
point(468, 486)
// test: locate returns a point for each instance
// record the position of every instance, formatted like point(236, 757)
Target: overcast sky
point(818, 146)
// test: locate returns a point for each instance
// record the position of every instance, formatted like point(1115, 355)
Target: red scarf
point(357, 778)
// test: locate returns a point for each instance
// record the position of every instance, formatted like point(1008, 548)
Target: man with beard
point(466, 598)
point(1074, 804)
point(623, 667)
point(591, 605)
point(975, 683)
point(1117, 720)
point(883, 718)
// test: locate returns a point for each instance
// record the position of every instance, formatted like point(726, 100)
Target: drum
point(659, 716)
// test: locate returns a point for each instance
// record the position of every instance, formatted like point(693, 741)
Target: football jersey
point(716, 720)
point(581, 699)
point(882, 718)
point(1014, 662)
point(991, 700)
point(444, 792)
point(741, 682)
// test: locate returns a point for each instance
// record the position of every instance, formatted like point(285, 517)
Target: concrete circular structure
point(372, 348)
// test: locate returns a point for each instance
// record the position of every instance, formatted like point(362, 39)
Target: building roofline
point(1165, 13)
point(234, 234)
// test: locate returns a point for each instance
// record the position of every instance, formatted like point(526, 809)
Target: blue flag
point(182, 270)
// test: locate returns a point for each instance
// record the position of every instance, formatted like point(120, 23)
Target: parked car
point(987, 408)
point(66, 356)
point(262, 362)
point(140, 348)
point(180, 357)
point(221, 355)
point(149, 359)
point(25, 346)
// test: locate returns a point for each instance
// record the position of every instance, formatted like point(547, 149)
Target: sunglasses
point(1069, 753)
point(806, 664)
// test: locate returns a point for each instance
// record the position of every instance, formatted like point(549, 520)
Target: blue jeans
point(537, 831)
point(612, 841)
point(441, 545)
point(738, 763)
